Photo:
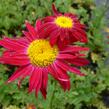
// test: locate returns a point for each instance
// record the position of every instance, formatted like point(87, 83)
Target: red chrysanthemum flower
point(35, 57)
point(63, 28)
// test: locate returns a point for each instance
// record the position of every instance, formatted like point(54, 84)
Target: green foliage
point(85, 91)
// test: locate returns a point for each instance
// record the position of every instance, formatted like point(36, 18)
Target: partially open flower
point(63, 28)
point(35, 58)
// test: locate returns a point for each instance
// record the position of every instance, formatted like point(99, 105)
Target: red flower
point(30, 106)
point(35, 57)
point(63, 28)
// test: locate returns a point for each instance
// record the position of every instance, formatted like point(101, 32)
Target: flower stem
point(53, 95)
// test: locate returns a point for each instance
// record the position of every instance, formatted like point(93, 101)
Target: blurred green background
point(90, 92)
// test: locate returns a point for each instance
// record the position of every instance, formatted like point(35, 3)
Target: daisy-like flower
point(35, 57)
point(63, 28)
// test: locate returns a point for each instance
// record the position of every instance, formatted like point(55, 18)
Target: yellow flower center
point(41, 53)
point(64, 22)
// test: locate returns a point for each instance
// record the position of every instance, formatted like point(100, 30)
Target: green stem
point(52, 96)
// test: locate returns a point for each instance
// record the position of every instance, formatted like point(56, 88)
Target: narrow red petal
point(62, 34)
point(27, 34)
point(54, 37)
point(38, 24)
point(44, 92)
point(20, 82)
point(63, 78)
point(73, 49)
point(11, 44)
point(73, 16)
point(13, 58)
point(31, 30)
point(44, 82)
point(81, 35)
point(76, 71)
point(22, 71)
point(35, 80)
point(38, 87)
point(46, 29)
point(66, 56)
point(54, 9)
point(79, 61)
point(44, 79)
point(49, 19)
point(65, 85)
point(52, 72)
point(61, 73)
point(50, 29)
point(14, 61)
point(66, 67)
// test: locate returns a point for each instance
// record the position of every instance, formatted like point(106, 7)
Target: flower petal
point(66, 56)
point(76, 71)
point(54, 37)
point(55, 12)
point(73, 49)
point(38, 87)
point(44, 82)
point(12, 44)
point(51, 71)
point(48, 19)
point(63, 78)
point(79, 61)
point(22, 71)
point(35, 80)
point(38, 24)
point(13, 58)
point(27, 34)
point(66, 67)
point(31, 30)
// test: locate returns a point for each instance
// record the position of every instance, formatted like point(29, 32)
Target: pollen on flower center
point(64, 22)
point(41, 53)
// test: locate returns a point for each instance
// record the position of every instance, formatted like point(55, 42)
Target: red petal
point(50, 29)
point(12, 44)
point(66, 67)
point(54, 9)
point(44, 79)
point(61, 73)
point(18, 62)
point(79, 61)
point(73, 16)
point(62, 77)
point(14, 58)
point(73, 49)
point(44, 83)
point(62, 34)
point(31, 30)
point(54, 37)
point(27, 34)
point(38, 86)
point(48, 19)
point(76, 71)
point(82, 34)
point(35, 80)
point(51, 71)
point(44, 92)
point(38, 24)
point(20, 82)
point(63, 82)
point(22, 71)
point(46, 29)
point(66, 56)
